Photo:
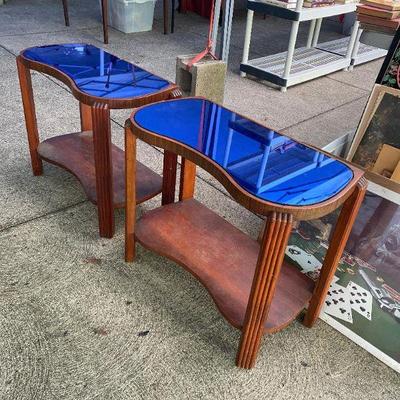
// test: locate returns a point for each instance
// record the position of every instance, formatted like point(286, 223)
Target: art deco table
point(264, 171)
point(99, 81)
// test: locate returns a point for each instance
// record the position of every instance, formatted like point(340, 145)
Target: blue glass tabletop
point(265, 163)
point(96, 72)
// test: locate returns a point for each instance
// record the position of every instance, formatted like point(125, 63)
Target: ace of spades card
point(337, 303)
point(360, 299)
point(307, 262)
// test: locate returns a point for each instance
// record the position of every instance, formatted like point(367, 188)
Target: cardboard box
point(388, 160)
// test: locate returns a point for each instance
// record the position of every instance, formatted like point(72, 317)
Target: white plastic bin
point(131, 15)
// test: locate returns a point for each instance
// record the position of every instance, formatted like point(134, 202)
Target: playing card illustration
point(360, 299)
point(337, 303)
point(307, 262)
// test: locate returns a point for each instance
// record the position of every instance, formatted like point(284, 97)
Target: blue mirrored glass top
point(96, 72)
point(267, 164)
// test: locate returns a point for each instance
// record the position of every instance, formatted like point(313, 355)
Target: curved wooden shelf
point(74, 152)
point(223, 259)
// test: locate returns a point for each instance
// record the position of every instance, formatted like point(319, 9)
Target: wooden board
point(74, 152)
point(390, 23)
point(223, 259)
point(377, 12)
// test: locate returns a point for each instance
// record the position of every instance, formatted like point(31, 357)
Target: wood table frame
point(108, 159)
point(279, 220)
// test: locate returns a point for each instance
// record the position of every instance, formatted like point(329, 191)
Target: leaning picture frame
point(371, 263)
point(379, 125)
point(389, 74)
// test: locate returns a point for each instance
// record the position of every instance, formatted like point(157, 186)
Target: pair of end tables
point(252, 285)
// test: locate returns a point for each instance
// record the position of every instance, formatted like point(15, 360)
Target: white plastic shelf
point(308, 63)
point(364, 54)
point(304, 14)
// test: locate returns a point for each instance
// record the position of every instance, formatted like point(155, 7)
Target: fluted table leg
point(272, 250)
point(104, 171)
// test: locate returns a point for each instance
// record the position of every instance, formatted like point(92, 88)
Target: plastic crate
point(131, 15)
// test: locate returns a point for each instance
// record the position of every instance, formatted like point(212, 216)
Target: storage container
point(131, 15)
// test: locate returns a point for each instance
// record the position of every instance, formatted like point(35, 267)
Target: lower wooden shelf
point(74, 152)
point(223, 259)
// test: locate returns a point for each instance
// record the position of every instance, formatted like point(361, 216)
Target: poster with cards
point(363, 301)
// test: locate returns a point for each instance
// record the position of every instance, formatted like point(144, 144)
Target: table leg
point(169, 177)
point(338, 242)
point(103, 165)
point(188, 179)
point(66, 16)
point(165, 16)
point(104, 13)
point(172, 16)
point(269, 263)
point(130, 195)
point(85, 112)
point(25, 83)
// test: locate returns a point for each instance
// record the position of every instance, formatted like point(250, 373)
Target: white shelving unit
point(312, 61)
point(361, 52)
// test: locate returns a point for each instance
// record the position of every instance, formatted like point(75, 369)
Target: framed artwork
point(379, 132)
point(389, 75)
point(363, 302)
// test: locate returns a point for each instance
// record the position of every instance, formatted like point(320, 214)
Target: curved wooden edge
point(243, 197)
point(85, 98)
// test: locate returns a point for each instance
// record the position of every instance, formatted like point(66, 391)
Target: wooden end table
point(252, 285)
point(99, 81)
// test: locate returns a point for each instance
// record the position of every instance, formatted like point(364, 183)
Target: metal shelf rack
point(312, 61)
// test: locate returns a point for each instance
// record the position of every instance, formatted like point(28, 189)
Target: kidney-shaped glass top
point(96, 72)
point(265, 163)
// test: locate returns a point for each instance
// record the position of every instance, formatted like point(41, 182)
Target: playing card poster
point(363, 301)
